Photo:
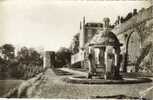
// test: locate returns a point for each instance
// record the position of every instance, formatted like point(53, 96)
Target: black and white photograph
point(76, 49)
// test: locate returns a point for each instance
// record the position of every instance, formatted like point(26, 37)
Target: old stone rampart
point(141, 17)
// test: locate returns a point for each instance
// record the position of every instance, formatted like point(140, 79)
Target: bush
point(62, 57)
point(147, 64)
point(27, 64)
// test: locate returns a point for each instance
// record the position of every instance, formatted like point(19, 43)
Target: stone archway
point(129, 41)
point(134, 47)
point(133, 51)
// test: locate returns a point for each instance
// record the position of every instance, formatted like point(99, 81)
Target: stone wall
point(141, 17)
point(142, 27)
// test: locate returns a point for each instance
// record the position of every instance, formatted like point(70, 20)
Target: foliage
point(129, 15)
point(29, 56)
point(63, 57)
point(6, 56)
point(143, 53)
point(147, 63)
point(75, 44)
point(26, 64)
point(8, 51)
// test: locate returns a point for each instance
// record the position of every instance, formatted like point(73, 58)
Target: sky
point(52, 24)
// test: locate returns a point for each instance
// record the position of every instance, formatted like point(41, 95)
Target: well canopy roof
point(105, 38)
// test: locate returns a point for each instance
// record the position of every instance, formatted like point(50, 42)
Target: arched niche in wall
point(134, 47)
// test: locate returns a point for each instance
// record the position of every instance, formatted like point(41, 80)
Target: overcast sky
point(42, 23)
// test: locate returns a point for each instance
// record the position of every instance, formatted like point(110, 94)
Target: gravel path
point(50, 85)
point(54, 87)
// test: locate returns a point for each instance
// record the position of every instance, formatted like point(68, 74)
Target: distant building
point(87, 32)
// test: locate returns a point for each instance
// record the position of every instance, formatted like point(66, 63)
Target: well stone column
point(117, 64)
point(101, 56)
point(108, 65)
point(91, 63)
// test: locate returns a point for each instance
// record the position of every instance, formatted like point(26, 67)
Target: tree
point(135, 12)
point(129, 15)
point(34, 57)
point(3, 68)
point(147, 63)
point(30, 63)
point(75, 44)
point(63, 57)
point(23, 55)
point(144, 52)
point(8, 51)
point(29, 56)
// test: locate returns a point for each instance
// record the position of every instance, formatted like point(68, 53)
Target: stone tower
point(49, 59)
point(82, 34)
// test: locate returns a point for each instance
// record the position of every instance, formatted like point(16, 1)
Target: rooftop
point(105, 38)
